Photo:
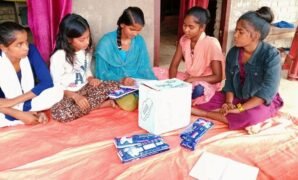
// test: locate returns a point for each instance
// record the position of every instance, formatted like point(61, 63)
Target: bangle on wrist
point(240, 107)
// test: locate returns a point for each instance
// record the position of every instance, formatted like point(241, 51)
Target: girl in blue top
point(26, 87)
point(250, 94)
point(122, 55)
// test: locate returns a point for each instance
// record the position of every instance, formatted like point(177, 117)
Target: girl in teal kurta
point(115, 64)
point(122, 55)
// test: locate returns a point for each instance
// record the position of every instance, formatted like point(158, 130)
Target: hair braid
point(119, 38)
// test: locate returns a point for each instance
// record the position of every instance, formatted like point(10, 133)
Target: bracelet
point(240, 107)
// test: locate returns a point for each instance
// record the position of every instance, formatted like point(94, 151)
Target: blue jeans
point(197, 91)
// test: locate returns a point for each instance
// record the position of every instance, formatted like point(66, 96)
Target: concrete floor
point(168, 41)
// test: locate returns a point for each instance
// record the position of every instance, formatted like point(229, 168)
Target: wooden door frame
point(224, 24)
point(156, 58)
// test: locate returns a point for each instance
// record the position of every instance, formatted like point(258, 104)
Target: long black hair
point(130, 16)
point(71, 26)
point(260, 20)
point(202, 16)
point(7, 32)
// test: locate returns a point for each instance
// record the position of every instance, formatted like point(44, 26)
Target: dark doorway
point(212, 9)
point(169, 15)
point(170, 10)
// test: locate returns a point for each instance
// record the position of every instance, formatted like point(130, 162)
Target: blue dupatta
point(110, 66)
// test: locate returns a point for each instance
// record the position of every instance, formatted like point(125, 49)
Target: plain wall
point(102, 16)
point(283, 11)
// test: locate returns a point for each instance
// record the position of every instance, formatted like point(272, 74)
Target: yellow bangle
point(240, 107)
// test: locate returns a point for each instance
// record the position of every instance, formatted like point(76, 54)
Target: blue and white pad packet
point(127, 141)
point(193, 133)
point(139, 146)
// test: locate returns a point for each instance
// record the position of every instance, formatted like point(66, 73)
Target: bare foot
point(109, 103)
point(114, 104)
point(42, 118)
point(210, 114)
point(254, 129)
point(198, 112)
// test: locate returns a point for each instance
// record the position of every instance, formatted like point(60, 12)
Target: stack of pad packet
point(193, 133)
point(139, 146)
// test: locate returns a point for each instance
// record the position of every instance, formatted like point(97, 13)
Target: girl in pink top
point(202, 54)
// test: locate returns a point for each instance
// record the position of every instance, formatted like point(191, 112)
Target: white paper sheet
point(214, 167)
